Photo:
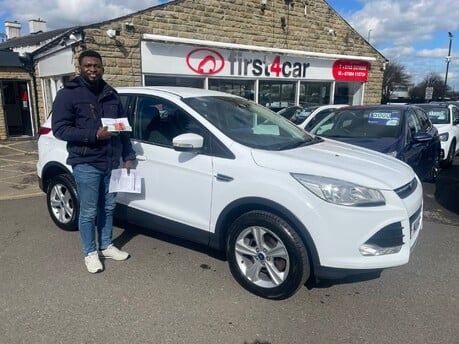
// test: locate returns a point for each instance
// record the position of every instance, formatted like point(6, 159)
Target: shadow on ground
point(447, 189)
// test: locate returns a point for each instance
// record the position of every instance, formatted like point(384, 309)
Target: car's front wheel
point(266, 256)
point(62, 201)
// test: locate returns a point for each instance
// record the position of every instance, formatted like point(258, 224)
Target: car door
point(413, 150)
point(455, 125)
point(175, 185)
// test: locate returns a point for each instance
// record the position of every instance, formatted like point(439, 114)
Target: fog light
point(375, 250)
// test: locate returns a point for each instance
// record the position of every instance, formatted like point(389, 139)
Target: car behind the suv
point(225, 172)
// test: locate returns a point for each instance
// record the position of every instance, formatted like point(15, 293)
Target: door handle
point(141, 157)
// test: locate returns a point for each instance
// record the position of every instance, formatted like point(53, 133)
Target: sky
point(411, 33)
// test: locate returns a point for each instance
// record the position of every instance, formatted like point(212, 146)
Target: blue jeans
point(96, 204)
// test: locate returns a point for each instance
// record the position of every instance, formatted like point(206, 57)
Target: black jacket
point(76, 118)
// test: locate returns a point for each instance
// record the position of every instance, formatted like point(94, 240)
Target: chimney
point(12, 29)
point(36, 26)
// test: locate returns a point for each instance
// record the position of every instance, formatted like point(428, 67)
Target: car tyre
point(434, 171)
point(62, 202)
point(266, 256)
point(450, 157)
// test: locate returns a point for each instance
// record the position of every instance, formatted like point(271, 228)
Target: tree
point(394, 75)
point(431, 80)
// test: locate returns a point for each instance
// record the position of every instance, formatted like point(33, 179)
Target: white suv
point(225, 172)
point(445, 117)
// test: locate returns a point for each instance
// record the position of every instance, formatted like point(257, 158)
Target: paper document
point(116, 124)
point(120, 181)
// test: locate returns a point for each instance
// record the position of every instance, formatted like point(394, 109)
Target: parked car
point(299, 115)
point(226, 172)
point(402, 131)
point(318, 114)
point(445, 117)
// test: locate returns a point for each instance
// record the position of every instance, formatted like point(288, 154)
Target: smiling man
point(93, 152)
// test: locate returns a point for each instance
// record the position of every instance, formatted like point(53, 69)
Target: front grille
point(407, 189)
point(389, 236)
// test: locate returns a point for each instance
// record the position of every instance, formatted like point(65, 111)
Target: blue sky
point(412, 33)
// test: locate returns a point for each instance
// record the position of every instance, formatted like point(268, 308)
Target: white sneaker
point(93, 263)
point(112, 252)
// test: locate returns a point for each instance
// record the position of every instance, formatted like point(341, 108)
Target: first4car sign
point(175, 59)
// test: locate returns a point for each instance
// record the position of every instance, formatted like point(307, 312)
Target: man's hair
point(89, 53)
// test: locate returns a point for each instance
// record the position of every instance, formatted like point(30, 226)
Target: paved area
point(18, 176)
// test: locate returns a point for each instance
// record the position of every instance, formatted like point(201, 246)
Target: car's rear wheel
point(450, 157)
point(266, 256)
point(62, 201)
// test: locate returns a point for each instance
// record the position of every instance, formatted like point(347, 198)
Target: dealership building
point(276, 53)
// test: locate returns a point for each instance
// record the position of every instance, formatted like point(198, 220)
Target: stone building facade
point(283, 27)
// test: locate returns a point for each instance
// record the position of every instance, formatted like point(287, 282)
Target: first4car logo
point(206, 61)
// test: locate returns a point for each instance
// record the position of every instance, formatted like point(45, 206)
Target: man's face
point(91, 69)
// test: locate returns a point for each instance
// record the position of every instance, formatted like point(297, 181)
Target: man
point(93, 152)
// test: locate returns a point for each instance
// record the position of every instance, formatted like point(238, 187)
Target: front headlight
point(340, 192)
point(444, 137)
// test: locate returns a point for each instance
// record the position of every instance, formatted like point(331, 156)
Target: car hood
point(379, 144)
point(340, 161)
point(442, 128)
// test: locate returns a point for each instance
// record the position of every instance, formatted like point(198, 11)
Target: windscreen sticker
point(384, 118)
point(437, 114)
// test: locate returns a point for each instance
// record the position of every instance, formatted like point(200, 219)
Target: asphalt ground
point(18, 171)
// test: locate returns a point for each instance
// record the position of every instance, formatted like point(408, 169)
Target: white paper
point(120, 181)
point(116, 124)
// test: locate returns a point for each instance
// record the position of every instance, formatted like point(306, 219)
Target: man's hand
point(128, 164)
point(104, 134)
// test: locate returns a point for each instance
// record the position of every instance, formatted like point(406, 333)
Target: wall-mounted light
point(283, 23)
point(112, 33)
point(263, 6)
point(129, 27)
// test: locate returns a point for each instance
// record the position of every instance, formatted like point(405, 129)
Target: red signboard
point(351, 70)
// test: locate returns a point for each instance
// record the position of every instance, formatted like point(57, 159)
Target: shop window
point(154, 80)
point(348, 93)
point(276, 95)
point(243, 88)
point(314, 93)
point(50, 87)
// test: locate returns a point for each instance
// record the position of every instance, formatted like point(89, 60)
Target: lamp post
point(448, 60)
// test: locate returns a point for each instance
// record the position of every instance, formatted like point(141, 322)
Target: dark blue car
point(402, 131)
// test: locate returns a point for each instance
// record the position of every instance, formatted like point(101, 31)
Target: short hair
point(89, 53)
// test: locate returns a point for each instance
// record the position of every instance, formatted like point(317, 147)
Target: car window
point(423, 120)
point(455, 113)
point(158, 121)
point(353, 123)
point(248, 123)
point(413, 123)
point(438, 115)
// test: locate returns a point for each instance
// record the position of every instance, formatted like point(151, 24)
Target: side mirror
point(456, 121)
point(422, 137)
point(188, 142)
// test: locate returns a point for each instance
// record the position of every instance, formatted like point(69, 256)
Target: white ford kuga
point(222, 171)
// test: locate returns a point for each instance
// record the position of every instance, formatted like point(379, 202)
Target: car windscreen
point(248, 123)
point(438, 115)
point(354, 123)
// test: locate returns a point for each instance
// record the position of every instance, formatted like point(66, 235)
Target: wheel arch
point(243, 205)
point(52, 169)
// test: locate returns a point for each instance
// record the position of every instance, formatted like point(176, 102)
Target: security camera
point(112, 33)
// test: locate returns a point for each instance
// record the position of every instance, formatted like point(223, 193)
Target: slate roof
point(33, 39)
point(10, 59)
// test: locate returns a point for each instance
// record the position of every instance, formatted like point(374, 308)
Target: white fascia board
point(170, 39)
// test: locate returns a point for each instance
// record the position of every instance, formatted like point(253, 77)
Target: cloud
point(67, 13)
